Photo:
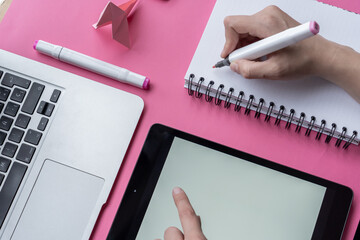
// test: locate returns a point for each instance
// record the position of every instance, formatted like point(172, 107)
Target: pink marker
point(92, 64)
point(272, 44)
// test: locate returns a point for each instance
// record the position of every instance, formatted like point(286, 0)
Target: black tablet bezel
point(330, 223)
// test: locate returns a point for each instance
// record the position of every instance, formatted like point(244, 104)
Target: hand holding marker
point(271, 44)
point(92, 64)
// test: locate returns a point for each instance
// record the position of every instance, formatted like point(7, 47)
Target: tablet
point(236, 194)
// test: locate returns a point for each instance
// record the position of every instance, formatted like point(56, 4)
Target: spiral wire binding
point(300, 123)
point(269, 111)
point(347, 144)
point(329, 137)
point(238, 101)
point(280, 115)
point(259, 106)
point(249, 104)
point(190, 90)
point(321, 130)
point(291, 116)
point(209, 98)
point(218, 94)
point(227, 102)
point(198, 94)
point(342, 136)
point(310, 127)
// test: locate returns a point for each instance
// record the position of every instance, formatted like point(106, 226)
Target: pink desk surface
point(350, 5)
point(164, 36)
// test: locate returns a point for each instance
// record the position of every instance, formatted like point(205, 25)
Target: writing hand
point(315, 56)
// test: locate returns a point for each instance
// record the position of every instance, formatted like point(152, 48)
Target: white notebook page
point(313, 96)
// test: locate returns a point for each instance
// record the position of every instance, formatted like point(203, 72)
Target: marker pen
point(271, 44)
point(92, 64)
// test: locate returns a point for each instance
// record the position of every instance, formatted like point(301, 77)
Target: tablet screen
point(235, 198)
point(236, 194)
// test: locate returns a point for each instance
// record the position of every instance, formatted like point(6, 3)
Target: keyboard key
point(9, 149)
point(4, 93)
point(22, 121)
point(4, 164)
point(16, 135)
point(26, 153)
point(12, 109)
point(41, 108)
point(10, 187)
point(49, 108)
point(42, 124)
point(1, 73)
point(32, 98)
point(1, 106)
point(18, 95)
point(33, 137)
point(5, 123)
point(2, 137)
point(45, 108)
point(55, 96)
point(1, 178)
point(10, 80)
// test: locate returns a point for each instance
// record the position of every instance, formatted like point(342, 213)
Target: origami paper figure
point(117, 15)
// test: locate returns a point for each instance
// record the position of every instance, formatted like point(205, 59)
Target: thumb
point(255, 69)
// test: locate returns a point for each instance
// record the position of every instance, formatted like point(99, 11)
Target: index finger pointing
point(189, 220)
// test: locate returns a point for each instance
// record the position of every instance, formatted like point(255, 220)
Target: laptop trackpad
point(60, 204)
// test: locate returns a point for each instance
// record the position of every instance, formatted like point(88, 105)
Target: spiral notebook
point(309, 104)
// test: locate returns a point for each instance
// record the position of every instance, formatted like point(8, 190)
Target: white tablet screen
point(235, 199)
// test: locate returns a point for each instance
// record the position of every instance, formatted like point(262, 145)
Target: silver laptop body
point(69, 167)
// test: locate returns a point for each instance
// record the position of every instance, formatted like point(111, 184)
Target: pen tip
point(35, 43)
point(146, 84)
point(213, 66)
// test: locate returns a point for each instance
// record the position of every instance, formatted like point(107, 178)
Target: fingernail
point(234, 66)
point(177, 190)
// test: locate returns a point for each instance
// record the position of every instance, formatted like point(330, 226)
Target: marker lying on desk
point(271, 44)
point(92, 64)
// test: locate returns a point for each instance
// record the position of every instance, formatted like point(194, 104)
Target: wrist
point(338, 64)
point(323, 56)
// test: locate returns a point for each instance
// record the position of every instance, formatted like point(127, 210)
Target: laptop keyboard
point(20, 99)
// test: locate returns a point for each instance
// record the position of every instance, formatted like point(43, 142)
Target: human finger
point(173, 233)
point(189, 220)
point(262, 24)
point(236, 29)
point(269, 69)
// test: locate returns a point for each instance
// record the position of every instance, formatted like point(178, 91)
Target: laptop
point(62, 140)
